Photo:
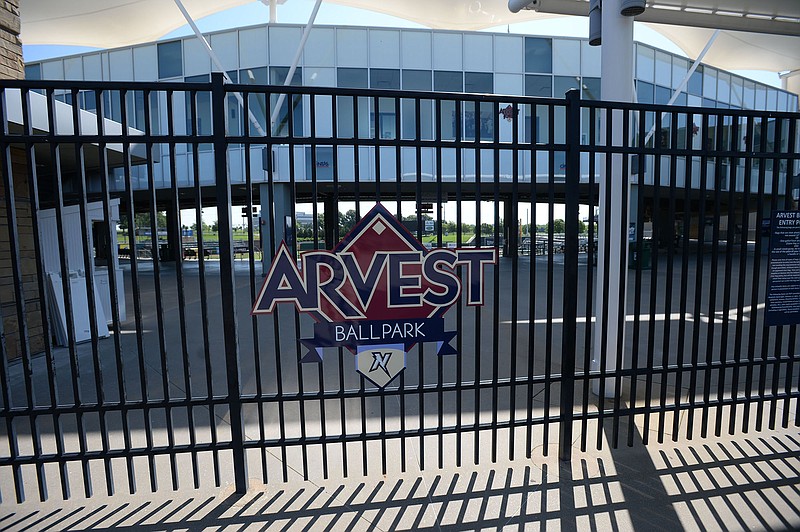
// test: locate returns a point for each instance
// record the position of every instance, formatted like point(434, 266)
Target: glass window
point(561, 84)
point(170, 60)
point(352, 78)
point(679, 69)
point(417, 80)
point(538, 54)
point(708, 102)
point(737, 91)
point(783, 99)
point(644, 92)
point(539, 86)
point(663, 69)
point(480, 120)
point(761, 97)
point(724, 87)
point(479, 82)
point(257, 102)
point(33, 71)
point(681, 99)
point(203, 107)
point(772, 100)
point(695, 86)
point(448, 81)
point(277, 76)
point(88, 100)
point(709, 83)
point(384, 78)
point(591, 89)
point(663, 95)
point(749, 94)
point(645, 63)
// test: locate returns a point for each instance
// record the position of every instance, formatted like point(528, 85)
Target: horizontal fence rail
point(142, 219)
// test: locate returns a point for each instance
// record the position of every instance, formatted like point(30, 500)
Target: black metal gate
point(165, 377)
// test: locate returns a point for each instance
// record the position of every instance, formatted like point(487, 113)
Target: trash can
point(636, 261)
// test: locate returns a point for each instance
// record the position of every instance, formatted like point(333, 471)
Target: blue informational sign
point(783, 279)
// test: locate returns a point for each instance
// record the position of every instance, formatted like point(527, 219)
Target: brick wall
point(27, 254)
point(11, 65)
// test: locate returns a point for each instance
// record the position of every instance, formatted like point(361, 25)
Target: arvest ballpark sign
point(377, 293)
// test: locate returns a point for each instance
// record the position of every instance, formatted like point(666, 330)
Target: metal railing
point(190, 378)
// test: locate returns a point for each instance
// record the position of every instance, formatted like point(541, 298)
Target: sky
point(298, 11)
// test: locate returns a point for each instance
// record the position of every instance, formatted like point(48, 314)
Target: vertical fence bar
point(570, 308)
point(41, 279)
point(227, 284)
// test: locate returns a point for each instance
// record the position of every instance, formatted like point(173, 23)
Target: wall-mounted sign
point(783, 278)
point(377, 293)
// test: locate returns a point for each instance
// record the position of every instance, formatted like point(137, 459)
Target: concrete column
point(617, 58)
point(173, 235)
point(272, 229)
point(330, 221)
point(510, 229)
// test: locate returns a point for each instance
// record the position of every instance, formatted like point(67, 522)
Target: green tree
point(346, 222)
point(558, 226)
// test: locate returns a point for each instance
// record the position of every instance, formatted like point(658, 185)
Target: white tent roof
point(114, 23)
point(736, 50)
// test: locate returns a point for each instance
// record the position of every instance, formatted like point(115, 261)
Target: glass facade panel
point(277, 76)
point(479, 82)
point(561, 84)
point(695, 86)
point(724, 87)
point(202, 118)
point(170, 60)
point(538, 54)
point(749, 94)
point(257, 103)
point(679, 69)
point(352, 78)
point(448, 81)
point(663, 69)
point(709, 83)
point(644, 92)
point(539, 86)
point(33, 71)
point(417, 80)
point(384, 78)
point(645, 63)
point(737, 91)
point(663, 94)
point(591, 89)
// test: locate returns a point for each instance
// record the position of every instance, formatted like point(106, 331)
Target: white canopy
point(114, 23)
point(736, 50)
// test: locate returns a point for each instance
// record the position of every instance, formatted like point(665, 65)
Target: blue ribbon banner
point(351, 334)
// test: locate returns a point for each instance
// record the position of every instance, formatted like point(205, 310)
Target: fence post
point(227, 285)
point(570, 304)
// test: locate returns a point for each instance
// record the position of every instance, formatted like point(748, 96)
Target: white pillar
point(273, 230)
point(791, 82)
point(617, 57)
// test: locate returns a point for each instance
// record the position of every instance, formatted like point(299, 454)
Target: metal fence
point(165, 376)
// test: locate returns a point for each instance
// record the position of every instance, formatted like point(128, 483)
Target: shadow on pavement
point(732, 483)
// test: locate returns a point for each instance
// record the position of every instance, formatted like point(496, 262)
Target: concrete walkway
point(741, 482)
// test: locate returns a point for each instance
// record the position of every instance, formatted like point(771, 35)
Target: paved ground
point(741, 482)
point(744, 481)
